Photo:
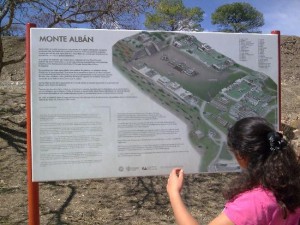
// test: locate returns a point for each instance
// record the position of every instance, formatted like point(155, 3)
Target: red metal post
point(279, 78)
point(33, 187)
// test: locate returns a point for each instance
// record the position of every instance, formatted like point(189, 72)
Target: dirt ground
point(135, 201)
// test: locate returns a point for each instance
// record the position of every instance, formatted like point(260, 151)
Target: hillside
point(113, 201)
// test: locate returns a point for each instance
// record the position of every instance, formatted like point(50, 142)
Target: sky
point(282, 15)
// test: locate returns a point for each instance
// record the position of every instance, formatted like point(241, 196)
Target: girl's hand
point(175, 181)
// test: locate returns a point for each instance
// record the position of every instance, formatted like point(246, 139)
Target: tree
point(8, 10)
point(172, 15)
point(68, 13)
point(91, 13)
point(126, 14)
point(238, 17)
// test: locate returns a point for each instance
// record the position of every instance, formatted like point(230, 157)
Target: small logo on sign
point(149, 168)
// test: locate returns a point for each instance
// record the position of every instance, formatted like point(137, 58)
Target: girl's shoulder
point(259, 194)
point(258, 205)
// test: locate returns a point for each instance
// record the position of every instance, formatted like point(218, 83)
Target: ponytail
point(282, 176)
point(272, 162)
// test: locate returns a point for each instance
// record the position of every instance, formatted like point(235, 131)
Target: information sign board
point(116, 103)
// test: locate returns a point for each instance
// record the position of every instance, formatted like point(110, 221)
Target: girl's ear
point(238, 156)
point(243, 161)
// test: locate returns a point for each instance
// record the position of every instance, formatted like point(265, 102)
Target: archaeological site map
point(138, 103)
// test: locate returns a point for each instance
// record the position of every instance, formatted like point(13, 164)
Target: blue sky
point(282, 15)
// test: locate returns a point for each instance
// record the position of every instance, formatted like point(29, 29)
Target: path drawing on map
point(203, 87)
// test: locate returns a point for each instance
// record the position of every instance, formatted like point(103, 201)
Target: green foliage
point(238, 17)
point(172, 15)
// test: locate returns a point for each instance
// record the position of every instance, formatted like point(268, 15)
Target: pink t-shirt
point(258, 207)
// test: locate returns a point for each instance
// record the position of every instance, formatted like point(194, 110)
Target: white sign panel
point(135, 103)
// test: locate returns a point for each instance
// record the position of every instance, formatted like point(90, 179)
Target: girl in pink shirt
point(267, 191)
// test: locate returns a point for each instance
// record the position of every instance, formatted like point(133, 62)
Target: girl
point(266, 192)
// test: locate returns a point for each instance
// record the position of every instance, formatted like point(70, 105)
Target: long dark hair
point(272, 163)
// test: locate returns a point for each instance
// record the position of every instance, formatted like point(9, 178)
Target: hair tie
point(276, 140)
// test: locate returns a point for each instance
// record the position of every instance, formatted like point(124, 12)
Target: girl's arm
point(221, 219)
point(182, 215)
point(174, 186)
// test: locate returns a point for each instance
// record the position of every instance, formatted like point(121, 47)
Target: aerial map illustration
point(203, 87)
